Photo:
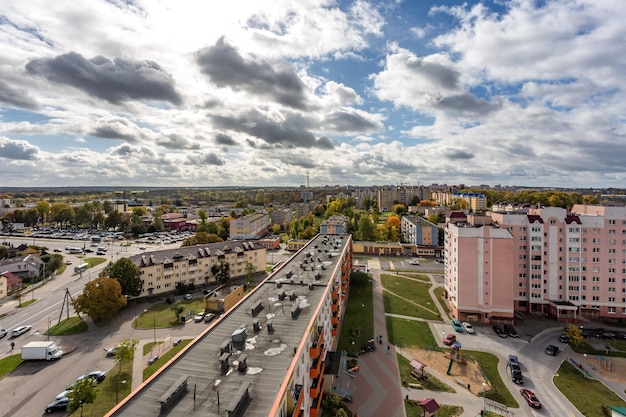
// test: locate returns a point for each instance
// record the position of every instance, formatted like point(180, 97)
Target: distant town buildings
point(252, 226)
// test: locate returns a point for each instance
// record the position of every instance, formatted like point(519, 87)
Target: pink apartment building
point(565, 265)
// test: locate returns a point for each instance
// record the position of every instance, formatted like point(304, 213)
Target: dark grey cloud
point(17, 150)
point(518, 150)
point(206, 159)
point(16, 97)
point(466, 103)
point(302, 161)
point(437, 74)
point(176, 141)
point(223, 139)
point(114, 81)
point(117, 128)
point(457, 154)
point(349, 122)
point(291, 133)
point(227, 68)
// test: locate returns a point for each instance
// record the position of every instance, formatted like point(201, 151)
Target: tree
point(221, 272)
point(113, 220)
point(62, 213)
point(127, 274)
point(366, 229)
point(575, 335)
point(178, 310)
point(83, 392)
point(101, 299)
point(125, 351)
point(201, 238)
point(43, 208)
point(249, 272)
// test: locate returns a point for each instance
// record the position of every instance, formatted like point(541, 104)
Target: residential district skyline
point(265, 91)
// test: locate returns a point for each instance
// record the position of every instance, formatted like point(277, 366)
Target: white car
point(3, 332)
point(414, 262)
point(467, 327)
point(187, 296)
point(18, 331)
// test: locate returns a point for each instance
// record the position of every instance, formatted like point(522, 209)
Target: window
point(611, 310)
point(596, 240)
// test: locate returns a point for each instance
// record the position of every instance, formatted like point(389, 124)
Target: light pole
point(123, 381)
point(48, 328)
point(484, 397)
point(153, 324)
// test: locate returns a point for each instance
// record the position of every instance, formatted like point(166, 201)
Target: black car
point(563, 338)
point(499, 331)
point(510, 330)
point(552, 350)
point(58, 405)
point(96, 376)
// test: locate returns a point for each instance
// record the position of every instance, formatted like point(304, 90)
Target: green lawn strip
point(148, 347)
point(358, 322)
point(396, 305)
point(431, 383)
point(161, 315)
point(410, 289)
point(577, 389)
point(440, 293)
point(163, 359)
point(415, 334)
point(94, 261)
point(27, 303)
point(105, 391)
point(414, 276)
point(73, 325)
point(414, 410)
point(489, 365)
point(9, 364)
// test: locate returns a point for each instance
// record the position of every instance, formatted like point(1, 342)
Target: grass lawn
point(577, 389)
point(94, 261)
point(432, 383)
point(148, 347)
point(147, 372)
point(9, 364)
point(489, 365)
point(414, 410)
point(73, 325)
point(415, 334)
point(105, 397)
point(161, 315)
point(412, 290)
point(358, 322)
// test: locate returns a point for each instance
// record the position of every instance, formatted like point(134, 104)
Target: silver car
point(18, 331)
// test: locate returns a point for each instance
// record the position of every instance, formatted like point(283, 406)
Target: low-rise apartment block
point(162, 271)
point(252, 226)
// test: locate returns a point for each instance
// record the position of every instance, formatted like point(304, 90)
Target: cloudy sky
point(265, 92)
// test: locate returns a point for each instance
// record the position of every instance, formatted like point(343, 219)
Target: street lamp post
point(153, 324)
point(484, 397)
point(123, 381)
point(48, 328)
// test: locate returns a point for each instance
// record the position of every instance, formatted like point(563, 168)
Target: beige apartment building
point(162, 271)
point(549, 261)
point(252, 226)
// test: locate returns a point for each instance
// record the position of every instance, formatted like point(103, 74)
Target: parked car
point(153, 359)
point(530, 398)
point(513, 361)
point(552, 350)
point(187, 296)
point(68, 262)
point(18, 331)
point(510, 330)
point(449, 339)
point(111, 351)
point(96, 376)
point(499, 331)
point(516, 375)
point(199, 317)
point(58, 405)
point(457, 326)
point(208, 317)
point(3, 332)
point(563, 338)
point(63, 394)
point(57, 250)
point(170, 300)
point(414, 262)
point(177, 341)
point(468, 327)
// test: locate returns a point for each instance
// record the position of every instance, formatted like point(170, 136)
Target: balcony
point(316, 367)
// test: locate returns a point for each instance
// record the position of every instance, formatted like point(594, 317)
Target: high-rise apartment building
point(252, 226)
point(547, 261)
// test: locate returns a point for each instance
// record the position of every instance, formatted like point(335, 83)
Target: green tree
point(201, 238)
point(127, 274)
point(62, 213)
point(43, 209)
point(83, 392)
point(107, 206)
point(178, 310)
point(203, 216)
point(221, 272)
point(101, 299)
point(367, 229)
point(125, 351)
point(113, 220)
point(249, 272)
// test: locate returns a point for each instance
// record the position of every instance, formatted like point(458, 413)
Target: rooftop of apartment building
point(418, 220)
point(285, 305)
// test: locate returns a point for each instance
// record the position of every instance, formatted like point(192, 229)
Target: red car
point(530, 398)
point(449, 339)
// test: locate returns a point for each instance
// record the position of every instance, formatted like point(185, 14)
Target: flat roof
point(302, 281)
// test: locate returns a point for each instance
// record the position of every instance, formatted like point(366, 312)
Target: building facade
point(162, 271)
point(25, 266)
point(419, 231)
point(334, 225)
point(561, 264)
point(252, 226)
